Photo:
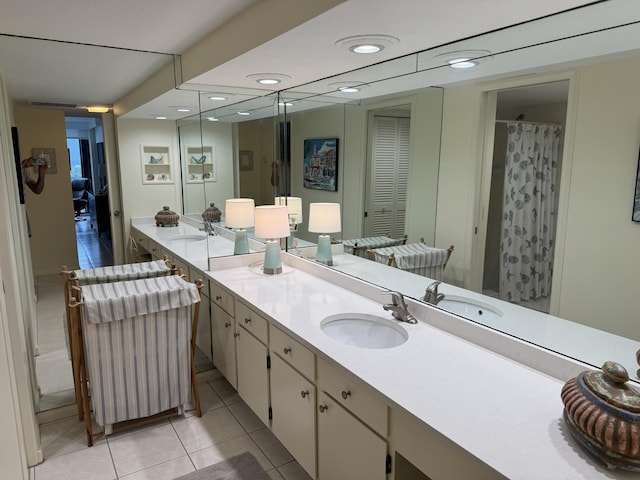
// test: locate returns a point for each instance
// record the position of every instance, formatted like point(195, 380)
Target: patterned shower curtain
point(528, 215)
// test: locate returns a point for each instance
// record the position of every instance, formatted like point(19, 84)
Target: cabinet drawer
point(155, 250)
point(195, 274)
point(221, 297)
point(354, 396)
point(297, 355)
point(253, 322)
point(141, 241)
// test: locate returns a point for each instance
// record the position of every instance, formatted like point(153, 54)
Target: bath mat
point(241, 467)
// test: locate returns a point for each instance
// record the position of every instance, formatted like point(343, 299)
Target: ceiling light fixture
point(349, 87)
point(244, 113)
point(161, 117)
point(366, 44)
point(212, 119)
point(464, 58)
point(285, 104)
point(217, 98)
point(183, 109)
point(268, 78)
point(97, 109)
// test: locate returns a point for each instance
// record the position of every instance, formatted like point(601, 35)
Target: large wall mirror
point(580, 81)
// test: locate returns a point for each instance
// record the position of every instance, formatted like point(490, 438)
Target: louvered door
point(389, 172)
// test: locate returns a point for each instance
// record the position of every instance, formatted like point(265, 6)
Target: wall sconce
point(239, 214)
point(272, 224)
point(324, 218)
point(294, 206)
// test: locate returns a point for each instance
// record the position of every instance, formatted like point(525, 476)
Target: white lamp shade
point(239, 212)
point(272, 221)
point(294, 204)
point(324, 217)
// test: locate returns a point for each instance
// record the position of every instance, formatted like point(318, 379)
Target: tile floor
point(170, 448)
point(165, 450)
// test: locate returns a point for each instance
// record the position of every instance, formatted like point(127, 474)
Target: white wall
point(140, 200)
point(596, 273)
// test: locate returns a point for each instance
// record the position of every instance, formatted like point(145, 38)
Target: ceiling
point(103, 51)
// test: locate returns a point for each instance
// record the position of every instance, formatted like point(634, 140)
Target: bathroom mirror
point(588, 70)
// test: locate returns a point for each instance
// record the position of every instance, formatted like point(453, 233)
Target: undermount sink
point(364, 330)
point(471, 309)
point(187, 238)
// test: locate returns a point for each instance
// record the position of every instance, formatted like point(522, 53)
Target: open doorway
point(525, 176)
point(85, 143)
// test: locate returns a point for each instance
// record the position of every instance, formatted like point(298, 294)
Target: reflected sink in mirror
point(468, 308)
point(364, 330)
point(187, 238)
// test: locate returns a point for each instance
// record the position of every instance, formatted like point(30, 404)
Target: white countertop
point(507, 415)
point(572, 339)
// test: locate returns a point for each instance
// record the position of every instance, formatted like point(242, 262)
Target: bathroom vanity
point(453, 400)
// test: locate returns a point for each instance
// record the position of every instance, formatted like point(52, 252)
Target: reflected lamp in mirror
point(239, 214)
point(294, 207)
point(324, 218)
point(272, 224)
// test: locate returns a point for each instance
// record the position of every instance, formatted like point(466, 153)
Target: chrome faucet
point(431, 295)
point(208, 227)
point(398, 308)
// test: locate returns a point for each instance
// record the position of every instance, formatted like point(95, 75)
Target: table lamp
point(294, 205)
point(272, 224)
point(324, 218)
point(238, 214)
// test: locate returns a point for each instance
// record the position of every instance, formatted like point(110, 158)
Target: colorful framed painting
point(321, 164)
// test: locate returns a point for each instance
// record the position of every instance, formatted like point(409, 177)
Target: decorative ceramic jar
point(212, 214)
point(603, 416)
point(167, 218)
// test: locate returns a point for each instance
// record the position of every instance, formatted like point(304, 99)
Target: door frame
point(487, 130)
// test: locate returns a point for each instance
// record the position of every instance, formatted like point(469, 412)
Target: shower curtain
point(528, 215)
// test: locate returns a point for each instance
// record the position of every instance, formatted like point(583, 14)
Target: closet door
point(389, 174)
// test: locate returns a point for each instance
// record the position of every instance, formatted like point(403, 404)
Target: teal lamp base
point(272, 264)
point(242, 244)
point(324, 254)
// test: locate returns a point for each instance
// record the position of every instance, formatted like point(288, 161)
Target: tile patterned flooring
point(164, 450)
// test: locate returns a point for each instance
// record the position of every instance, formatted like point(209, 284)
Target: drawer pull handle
point(322, 408)
point(236, 334)
point(304, 393)
point(287, 350)
point(227, 324)
point(218, 297)
point(346, 394)
point(247, 321)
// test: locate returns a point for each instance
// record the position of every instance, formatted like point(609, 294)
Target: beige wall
point(140, 200)
point(51, 214)
point(257, 137)
point(596, 272)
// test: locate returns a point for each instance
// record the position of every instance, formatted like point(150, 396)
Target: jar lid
point(165, 211)
point(609, 384)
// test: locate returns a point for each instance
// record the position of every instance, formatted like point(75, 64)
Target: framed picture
point(246, 160)
point(321, 164)
point(49, 155)
point(636, 201)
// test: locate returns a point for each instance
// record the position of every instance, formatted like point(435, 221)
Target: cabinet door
point(293, 405)
point(346, 447)
point(253, 377)
point(224, 343)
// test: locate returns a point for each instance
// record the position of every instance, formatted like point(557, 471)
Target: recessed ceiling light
point(97, 109)
point(244, 113)
point(212, 119)
point(365, 44)
point(218, 98)
point(465, 58)
point(183, 109)
point(285, 104)
point(160, 117)
point(268, 78)
point(349, 87)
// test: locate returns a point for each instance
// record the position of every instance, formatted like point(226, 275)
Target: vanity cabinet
point(252, 360)
point(293, 398)
point(352, 428)
point(223, 331)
